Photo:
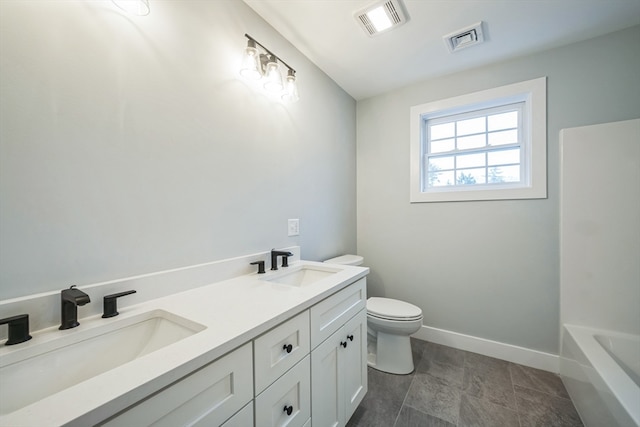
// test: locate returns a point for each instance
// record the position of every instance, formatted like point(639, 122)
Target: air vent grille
point(393, 13)
point(364, 21)
point(465, 37)
point(393, 10)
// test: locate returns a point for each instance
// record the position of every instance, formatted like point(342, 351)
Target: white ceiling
point(326, 32)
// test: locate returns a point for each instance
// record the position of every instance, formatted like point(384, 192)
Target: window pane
point(467, 127)
point(440, 179)
point(470, 160)
point(470, 176)
point(504, 174)
point(503, 121)
point(503, 157)
point(503, 137)
point(442, 146)
point(440, 163)
point(474, 141)
point(445, 130)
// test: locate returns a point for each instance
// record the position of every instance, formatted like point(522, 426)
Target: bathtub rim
point(619, 384)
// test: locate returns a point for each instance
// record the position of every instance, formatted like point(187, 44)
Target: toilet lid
point(388, 308)
point(346, 260)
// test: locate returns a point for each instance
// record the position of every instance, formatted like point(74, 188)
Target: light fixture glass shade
point(134, 7)
point(251, 62)
point(291, 88)
point(272, 76)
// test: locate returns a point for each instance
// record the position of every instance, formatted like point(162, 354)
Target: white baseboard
point(511, 353)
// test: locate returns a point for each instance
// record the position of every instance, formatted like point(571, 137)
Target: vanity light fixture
point(134, 7)
point(291, 89)
point(273, 78)
point(264, 66)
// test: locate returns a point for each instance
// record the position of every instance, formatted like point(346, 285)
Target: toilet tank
point(346, 260)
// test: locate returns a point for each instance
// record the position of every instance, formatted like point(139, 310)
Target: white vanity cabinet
point(338, 363)
point(309, 370)
point(206, 397)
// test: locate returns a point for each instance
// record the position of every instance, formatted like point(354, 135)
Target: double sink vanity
point(283, 348)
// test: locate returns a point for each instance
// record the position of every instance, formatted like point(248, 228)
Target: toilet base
point(391, 353)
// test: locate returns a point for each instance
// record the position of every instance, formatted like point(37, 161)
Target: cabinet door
point(328, 406)
point(353, 360)
point(339, 373)
point(286, 402)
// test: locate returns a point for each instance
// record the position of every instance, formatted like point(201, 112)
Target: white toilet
point(390, 322)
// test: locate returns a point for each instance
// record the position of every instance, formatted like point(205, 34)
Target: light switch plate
point(294, 227)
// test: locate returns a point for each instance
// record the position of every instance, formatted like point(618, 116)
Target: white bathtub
point(601, 371)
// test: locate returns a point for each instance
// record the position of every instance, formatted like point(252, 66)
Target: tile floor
point(451, 387)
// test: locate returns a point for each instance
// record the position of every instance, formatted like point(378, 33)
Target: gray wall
point(129, 145)
point(486, 269)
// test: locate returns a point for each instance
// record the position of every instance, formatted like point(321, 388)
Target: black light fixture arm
point(270, 53)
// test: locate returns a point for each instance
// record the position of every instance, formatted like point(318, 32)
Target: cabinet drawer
point(209, 396)
point(278, 350)
point(290, 392)
point(244, 418)
point(330, 314)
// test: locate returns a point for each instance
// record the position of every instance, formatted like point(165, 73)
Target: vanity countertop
point(234, 311)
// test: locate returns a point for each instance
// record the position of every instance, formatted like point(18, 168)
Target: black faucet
point(260, 265)
point(71, 298)
point(274, 258)
point(110, 303)
point(18, 328)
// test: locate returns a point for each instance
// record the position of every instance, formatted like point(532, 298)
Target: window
point(488, 145)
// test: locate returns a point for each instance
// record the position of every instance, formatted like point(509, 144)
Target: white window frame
point(534, 143)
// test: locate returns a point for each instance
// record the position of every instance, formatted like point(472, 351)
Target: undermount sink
point(304, 275)
point(42, 369)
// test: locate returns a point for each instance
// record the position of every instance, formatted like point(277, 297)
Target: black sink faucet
point(274, 258)
point(18, 328)
point(70, 300)
point(110, 303)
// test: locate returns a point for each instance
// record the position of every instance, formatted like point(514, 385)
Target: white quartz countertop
point(233, 311)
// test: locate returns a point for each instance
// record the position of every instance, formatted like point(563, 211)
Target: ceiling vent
point(381, 17)
point(465, 37)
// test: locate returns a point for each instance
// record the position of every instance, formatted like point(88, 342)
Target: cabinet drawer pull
point(344, 344)
point(350, 337)
point(288, 409)
point(287, 348)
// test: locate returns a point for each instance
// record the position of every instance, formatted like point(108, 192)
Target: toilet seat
point(391, 309)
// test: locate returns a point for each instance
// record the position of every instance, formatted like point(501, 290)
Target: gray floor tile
point(429, 395)
point(453, 387)
point(539, 409)
point(383, 401)
point(489, 379)
point(417, 350)
point(449, 374)
point(410, 417)
point(480, 361)
point(371, 414)
point(443, 354)
point(388, 386)
point(536, 379)
point(476, 412)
